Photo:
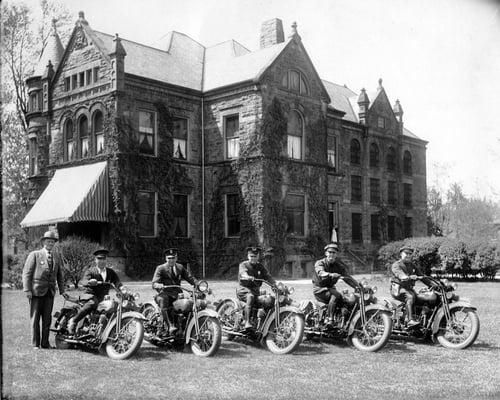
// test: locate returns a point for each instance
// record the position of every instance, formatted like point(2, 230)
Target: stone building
point(210, 149)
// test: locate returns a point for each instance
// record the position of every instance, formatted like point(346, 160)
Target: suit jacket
point(258, 271)
point(101, 290)
point(401, 271)
point(38, 278)
point(164, 275)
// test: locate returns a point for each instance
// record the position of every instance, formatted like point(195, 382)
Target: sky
point(441, 59)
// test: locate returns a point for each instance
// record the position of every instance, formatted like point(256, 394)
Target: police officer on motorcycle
point(249, 289)
point(327, 272)
point(170, 273)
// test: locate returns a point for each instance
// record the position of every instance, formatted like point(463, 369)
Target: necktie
point(50, 261)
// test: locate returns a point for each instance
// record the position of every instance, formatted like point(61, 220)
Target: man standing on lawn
point(41, 271)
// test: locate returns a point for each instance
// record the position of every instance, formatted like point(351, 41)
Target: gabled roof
point(339, 96)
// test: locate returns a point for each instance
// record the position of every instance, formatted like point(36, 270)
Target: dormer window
point(381, 122)
point(295, 81)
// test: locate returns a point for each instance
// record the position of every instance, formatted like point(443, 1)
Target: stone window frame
point(392, 195)
point(355, 152)
point(155, 131)
point(375, 231)
point(303, 84)
point(391, 159)
point(287, 209)
point(375, 193)
point(374, 155)
point(302, 136)
point(356, 228)
point(332, 151)
point(80, 138)
point(356, 188)
point(407, 195)
point(333, 218)
point(33, 155)
point(187, 216)
point(81, 78)
point(186, 148)
point(65, 121)
point(95, 140)
point(154, 214)
point(407, 163)
point(227, 216)
point(225, 117)
point(381, 122)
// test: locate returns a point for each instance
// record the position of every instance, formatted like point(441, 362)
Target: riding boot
point(248, 312)
point(71, 326)
point(166, 320)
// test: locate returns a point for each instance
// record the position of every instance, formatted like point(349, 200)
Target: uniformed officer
point(403, 276)
point(170, 273)
point(327, 272)
point(250, 270)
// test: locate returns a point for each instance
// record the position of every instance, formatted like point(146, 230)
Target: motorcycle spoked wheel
point(229, 317)
point(148, 311)
point(375, 334)
point(287, 336)
point(207, 341)
point(461, 331)
point(62, 324)
point(125, 343)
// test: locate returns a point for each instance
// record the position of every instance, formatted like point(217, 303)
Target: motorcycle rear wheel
point(207, 342)
point(148, 311)
point(287, 336)
point(461, 331)
point(376, 332)
point(229, 317)
point(126, 343)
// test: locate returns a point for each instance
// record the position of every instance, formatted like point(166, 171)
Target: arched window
point(69, 150)
point(98, 132)
point(407, 164)
point(295, 131)
point(374, 155)
point(83, 131)
point(296, 81)
point(355, 152)
point(391, 159)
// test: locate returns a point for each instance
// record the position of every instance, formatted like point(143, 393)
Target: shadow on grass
point(483, 346)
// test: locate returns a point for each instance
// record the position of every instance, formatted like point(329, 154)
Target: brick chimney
point(271, 33)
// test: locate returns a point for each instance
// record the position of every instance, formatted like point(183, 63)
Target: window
point(147, 137)
point(391, 159)
point(81, 79)
point(355, 152)
point(180, 138)
point(33, 102)
point(374, 155)
point(357, 228)
point(232, 215)
point(296, 81)
point(88, 76)
point(70, 152)
point(146, 214)
point(408, 228)
point(295, 131)
point(374, 191)
point(333, 218)
point(180, 225)
point(74, 81)
point(391, 228)
point(407, 194)
point(232, 134)
point(375, 227)
point(67, 84)
point(96, 74)
point(332, 150)
point(294, 211)
point(391, 193)
point(381, 122)
point(33, 154)
point(356, 189)
point(407, 167)
point(98, 132)
point(84, 136)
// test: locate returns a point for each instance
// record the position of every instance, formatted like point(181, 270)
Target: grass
point(403, 369)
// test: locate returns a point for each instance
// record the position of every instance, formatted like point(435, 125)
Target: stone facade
point(254, 168)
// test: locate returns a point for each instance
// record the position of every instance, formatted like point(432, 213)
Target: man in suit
point(96, 277)
point(170, 273)
point(42, 269)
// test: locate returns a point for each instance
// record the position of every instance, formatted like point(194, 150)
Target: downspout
point(203, 187)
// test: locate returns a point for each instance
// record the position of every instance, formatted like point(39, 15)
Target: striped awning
point(74, 194)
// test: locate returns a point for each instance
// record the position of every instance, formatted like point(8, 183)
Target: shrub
point(389, 253)
point(487, 260)
point(15, 265)
point(77, 253)
point(426, 254)
point(454, 257)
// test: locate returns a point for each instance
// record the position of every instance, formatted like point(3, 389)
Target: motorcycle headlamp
point(449, 295)
point(454, 286)
point(281, 287)
point(137, 296)
point(445, 282)
point(367, 296)
point(291, 289)
point(374, 289)
point(203, 286)
point(364, 283)
point(125, 303)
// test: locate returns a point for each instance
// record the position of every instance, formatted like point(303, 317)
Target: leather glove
point(334, 275)
point(251, 278)
point(413, 277)
point(92, 282)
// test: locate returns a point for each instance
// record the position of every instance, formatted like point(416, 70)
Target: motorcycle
point(440, 313)
point(198, 325)
point(277, 324)
point(359, 318)
point(111, 328)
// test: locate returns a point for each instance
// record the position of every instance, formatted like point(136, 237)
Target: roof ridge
point(132, 41)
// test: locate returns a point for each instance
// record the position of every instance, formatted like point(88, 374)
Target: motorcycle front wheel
point(148, 311)
point(229, 317)
point(206, 342)
point(460, 331)
point(125, 343)
point(287, 336)
point(375, 333)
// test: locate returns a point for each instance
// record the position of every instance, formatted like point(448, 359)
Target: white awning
point(74, 194)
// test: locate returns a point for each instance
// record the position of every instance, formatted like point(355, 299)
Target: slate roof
point(53, 51)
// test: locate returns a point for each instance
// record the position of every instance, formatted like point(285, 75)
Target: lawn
point(410, 370)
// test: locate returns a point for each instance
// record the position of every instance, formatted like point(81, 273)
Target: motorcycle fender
point(204, 313)
point(267, 325)
point(221, 302)
point(111, 325)
point(150, 303)
point(440, 313)
point(380, 307)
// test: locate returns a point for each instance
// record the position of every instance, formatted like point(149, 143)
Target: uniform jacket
point(401, 271)
point(165, 275)
point(258, 271)
point(39, 278)
point(322, 269)
point(101, 290)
